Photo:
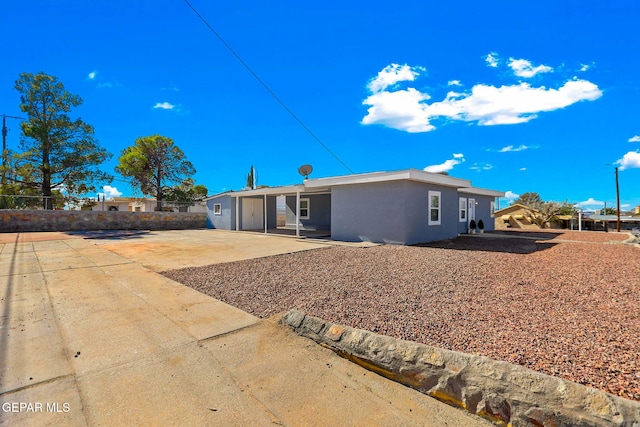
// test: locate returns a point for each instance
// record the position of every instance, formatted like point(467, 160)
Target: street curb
point(501, 392)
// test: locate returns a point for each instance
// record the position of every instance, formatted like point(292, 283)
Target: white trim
point(462, 207)
point(298, 214)
point(237, 213)
point(409, 174)
point(219, 210)
point(433, 194)
point(265, 209)
point(308, 208)
point(481, 192)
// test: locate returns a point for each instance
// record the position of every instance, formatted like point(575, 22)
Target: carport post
point(237, 213)
point(265, 214)
point(298, 213)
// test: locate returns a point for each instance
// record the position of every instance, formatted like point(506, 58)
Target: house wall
point(272, 213)
point(397, 212)
point(225, 221)
point(319, 215)
point(416, 199)
point(369, 212)
point(483, 212)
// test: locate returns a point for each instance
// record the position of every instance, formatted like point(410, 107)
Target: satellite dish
point(305, 170)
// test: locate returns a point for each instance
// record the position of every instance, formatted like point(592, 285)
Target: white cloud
point(634, 139)
point(523, 169)
point(492, 59)
point(408, 109)
point(447, 165)
point(171, 88)
point(164, 105)
point(524, 68)
point(629, 160)
point(454, 83)
point(590, 203)
point(110, 192)
point(479, 167)
point(392, 74)
point(511, 148)
point(584, 67)
point(92, 75)
point(402, 109)
point(510, 195)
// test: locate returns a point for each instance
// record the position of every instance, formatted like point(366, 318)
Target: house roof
point(612, 218)
point(511, 208)
point(319, 185)
point(408, 174)
point(481, 192)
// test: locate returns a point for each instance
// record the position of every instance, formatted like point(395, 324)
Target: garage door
point(252, 214)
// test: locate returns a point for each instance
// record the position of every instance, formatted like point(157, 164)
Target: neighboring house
point(403, 207)
point(137, 204)
point(514, 216)
point(518, 216)
point(609, 222)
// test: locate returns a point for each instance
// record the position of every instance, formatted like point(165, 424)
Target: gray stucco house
point(403, 207)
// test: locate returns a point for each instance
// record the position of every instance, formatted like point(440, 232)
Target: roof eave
point(374, 177)
point(481, 192)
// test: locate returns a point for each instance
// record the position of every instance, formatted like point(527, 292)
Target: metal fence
point(21, 202)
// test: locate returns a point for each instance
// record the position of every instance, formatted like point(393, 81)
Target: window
point(462, 217)
point(434, 208)
point(217, 209)
point(305, 208)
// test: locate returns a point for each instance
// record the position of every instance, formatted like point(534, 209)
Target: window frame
point(217, 208)
point(308, 208)
point(462, 209)
point(433, 194)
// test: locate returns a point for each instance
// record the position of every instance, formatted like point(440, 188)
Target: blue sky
point(514, 96)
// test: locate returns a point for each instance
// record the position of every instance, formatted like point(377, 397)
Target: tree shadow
point(488, 243)
point(539, 235)
point(110, 234)
point(5, 320)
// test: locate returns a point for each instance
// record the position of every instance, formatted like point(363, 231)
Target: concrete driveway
point(167, 250)
point(90, 337)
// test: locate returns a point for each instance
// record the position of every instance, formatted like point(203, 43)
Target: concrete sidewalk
point(88, 337)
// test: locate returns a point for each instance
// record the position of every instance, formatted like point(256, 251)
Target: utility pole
point(4, 143)
point(618, 199)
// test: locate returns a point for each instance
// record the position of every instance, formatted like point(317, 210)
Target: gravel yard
point(567, 304)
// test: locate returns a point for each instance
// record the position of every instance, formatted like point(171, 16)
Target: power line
point(267, 88)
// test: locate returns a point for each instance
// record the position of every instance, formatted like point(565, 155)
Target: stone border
point(501, 392)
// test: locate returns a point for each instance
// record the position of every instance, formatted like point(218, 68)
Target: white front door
point(252, 214)
point(471, 212)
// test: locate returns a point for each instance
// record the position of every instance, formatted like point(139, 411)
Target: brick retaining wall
point(39, 220)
